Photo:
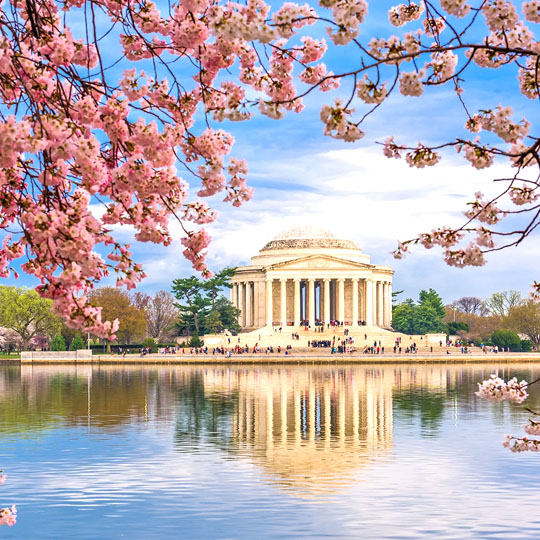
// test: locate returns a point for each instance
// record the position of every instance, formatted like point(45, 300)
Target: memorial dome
point(308, 237)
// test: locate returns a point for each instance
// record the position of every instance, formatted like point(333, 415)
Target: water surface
point(204, 452)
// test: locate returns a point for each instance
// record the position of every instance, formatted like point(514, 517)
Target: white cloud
point(358, 194)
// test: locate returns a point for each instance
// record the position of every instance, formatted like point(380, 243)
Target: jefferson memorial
point(308, 276)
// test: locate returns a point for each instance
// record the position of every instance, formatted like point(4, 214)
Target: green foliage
point(422, 318)
point(150, 342)
point(191, 302)
point(457, 327)
point(219, 281)
point(77, 343)
point(526, 345)
point(402, 318)
point(27, 314)
point(202, 310)
point(196, 341)
point(431, 298)
point(228, 314)
point(212, 322)
point(506, 338)
point(58, 343)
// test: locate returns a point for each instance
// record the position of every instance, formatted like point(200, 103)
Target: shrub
point(77, 343)
point(58, 343)
point(196, 341)
point(506, 339)
point(526, 345)
point(150, 343)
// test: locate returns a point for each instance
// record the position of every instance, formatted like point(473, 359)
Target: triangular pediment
point(318, 262)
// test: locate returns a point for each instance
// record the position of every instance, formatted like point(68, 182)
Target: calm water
point(263, 452)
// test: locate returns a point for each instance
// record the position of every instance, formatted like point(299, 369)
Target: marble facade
point(309, 276)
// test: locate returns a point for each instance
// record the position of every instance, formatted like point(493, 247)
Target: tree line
point(505, 318)
point(193, 308)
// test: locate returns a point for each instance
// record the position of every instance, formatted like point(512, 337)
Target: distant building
point(308, 276)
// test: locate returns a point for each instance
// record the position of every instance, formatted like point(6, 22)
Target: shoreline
point(300, 358)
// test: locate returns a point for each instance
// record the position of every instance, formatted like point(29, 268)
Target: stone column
point(234, 292)
point(369, 302)
point(385, 303)
point(341, 299)
point(249, 308)
point(242, 316)
point(380, 304)
point(355, 302)
point(326, 299)
point(374, 287)
point(283, 304)
point(269, 305)
point(256, 318)
point(297, 302)
point(389, 303)
point(311, 302)
point(320, 301)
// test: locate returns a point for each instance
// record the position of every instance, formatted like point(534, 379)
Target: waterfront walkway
point(296, 357)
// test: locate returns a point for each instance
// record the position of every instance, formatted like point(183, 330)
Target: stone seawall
point(298, 358)
point(82, 355)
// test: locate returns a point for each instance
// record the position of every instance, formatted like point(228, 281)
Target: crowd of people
point(335, 345)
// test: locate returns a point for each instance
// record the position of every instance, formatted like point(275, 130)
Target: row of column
point(377, 301)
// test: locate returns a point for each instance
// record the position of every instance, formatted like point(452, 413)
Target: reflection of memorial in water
point(313, 429)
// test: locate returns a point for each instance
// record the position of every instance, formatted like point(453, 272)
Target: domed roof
point(308, 237)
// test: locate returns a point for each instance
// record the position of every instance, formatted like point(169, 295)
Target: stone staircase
point(364, 336)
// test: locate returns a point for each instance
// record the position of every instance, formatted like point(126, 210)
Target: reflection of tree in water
point(428, 405)
point(203, 417)
point(104, 399)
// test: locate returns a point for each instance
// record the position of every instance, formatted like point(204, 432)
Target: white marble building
point(307, 276)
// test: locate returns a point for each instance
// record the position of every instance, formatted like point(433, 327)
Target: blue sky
point(303, 178)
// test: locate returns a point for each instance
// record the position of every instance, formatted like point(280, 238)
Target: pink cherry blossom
point(8, 516)
point(496, 389)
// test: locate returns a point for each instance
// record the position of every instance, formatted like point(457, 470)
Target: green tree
point(427, 320)
point(228, 314)
point(422, 318)
point(217, 283)
point(431, 298)
point(77, 343)
point(191, 302)
point(403, 317)
point(201, 309)
point(27, 314)
point(58, 343)
point(526, 345)
point(212, 323)
point(506, 339)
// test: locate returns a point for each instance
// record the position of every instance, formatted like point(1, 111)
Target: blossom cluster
point(523, 444)
point(496, 389)
point(8, 516)
point(86, 140)
point(75, 135)
point(338, 125)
